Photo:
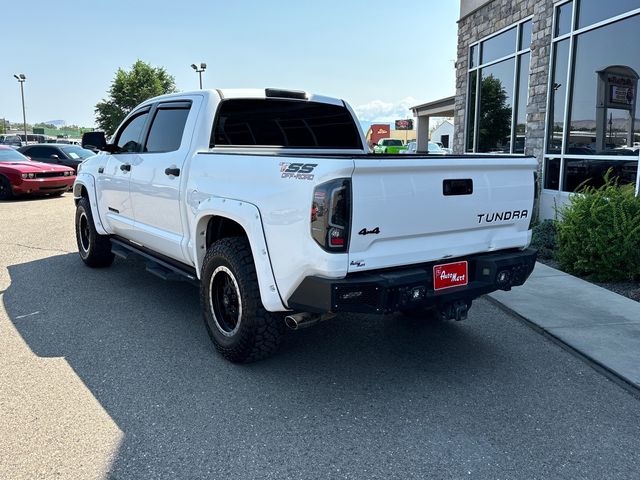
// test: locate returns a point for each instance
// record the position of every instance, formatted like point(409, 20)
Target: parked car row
point(392, 145)
point(19, 175)
point(16, 140)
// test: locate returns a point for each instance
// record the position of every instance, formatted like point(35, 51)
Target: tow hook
point(461, 309)
point(455, 311)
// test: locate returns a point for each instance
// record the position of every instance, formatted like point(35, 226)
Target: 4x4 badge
point(364, 231)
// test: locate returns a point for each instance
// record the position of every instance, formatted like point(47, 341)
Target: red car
point(19, 175)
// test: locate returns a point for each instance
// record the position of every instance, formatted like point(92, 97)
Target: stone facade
point(488, 19)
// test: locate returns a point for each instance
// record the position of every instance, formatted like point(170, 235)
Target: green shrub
point(543, 239)
point(599, 233)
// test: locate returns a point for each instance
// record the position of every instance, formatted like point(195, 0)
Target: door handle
point(125, 167)
point(172, 171)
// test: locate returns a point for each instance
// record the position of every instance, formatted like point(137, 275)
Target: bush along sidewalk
point(597, 237)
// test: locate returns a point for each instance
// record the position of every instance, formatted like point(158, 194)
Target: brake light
point(330, 215)
point(534, 212)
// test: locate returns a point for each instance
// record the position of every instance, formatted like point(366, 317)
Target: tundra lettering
point(502, 216)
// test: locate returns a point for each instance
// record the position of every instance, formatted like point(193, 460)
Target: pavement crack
point(31, 247)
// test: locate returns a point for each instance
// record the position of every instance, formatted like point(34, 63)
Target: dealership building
point(553, 79)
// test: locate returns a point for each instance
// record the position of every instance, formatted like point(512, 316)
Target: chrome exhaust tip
point(302, 320)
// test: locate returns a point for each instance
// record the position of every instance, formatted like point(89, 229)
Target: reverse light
point(330, 215)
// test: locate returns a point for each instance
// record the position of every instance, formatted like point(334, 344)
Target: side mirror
point(55, 157)
point(95, 139)
point(110, 148)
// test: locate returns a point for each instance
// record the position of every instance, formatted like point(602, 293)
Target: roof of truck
point(234, 93)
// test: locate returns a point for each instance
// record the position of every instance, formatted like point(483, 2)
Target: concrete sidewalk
point(601, 325)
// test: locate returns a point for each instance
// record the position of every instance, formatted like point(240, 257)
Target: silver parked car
point(433, 148)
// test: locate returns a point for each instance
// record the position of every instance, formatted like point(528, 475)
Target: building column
point(422, 134)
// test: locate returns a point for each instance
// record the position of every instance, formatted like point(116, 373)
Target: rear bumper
point(43, 186)
point(390, 290)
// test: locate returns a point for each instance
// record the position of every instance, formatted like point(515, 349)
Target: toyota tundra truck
point(269, 201)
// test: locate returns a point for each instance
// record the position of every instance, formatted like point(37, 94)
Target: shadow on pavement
point(386, 394)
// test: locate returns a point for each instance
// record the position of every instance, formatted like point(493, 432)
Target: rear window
point(284, 123)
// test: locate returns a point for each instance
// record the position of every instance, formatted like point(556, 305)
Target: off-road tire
point(6, 193)
point(229, 284)
point(94, 249)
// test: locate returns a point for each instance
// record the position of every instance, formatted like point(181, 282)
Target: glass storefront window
point(594, 11)
point(525, 35)
point(552, 173)
point(496, 94)
point(521, 105)
point(471, 110)
point(591, 172)
point(492, 98)
point(594, 130)
point(473, 56)
point(563, 19)
point(603, 117)
point(499, 46)
point(558, 94)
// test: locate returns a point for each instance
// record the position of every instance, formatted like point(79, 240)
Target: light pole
point(202, 68)
point(21, 78)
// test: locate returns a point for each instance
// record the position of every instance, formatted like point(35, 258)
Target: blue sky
point(380, 56)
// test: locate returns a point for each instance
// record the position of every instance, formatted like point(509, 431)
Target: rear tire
point(6, 192)
point(241, 329)
point(94, 249)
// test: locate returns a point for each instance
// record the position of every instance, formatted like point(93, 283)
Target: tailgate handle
point(457, 186)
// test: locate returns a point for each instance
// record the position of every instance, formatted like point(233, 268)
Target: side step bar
point(157, 266)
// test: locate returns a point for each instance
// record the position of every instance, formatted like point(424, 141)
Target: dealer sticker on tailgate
point(450, 275)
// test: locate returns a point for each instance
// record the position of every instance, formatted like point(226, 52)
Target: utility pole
point(21, 78)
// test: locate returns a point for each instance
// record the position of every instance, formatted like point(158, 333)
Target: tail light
point(330, 215)
point(534, 209)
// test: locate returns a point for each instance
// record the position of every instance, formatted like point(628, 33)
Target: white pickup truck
point(270, 202)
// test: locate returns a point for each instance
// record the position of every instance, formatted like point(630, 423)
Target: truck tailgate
point(411, 210)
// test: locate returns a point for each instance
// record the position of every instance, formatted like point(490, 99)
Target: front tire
point(6, 192)
point(94, 249)
point(241, 329)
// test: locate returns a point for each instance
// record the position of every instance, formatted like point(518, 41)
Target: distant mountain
point(57, 123)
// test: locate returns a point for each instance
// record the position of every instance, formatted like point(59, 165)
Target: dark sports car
point(60, 154)
point(20, 176)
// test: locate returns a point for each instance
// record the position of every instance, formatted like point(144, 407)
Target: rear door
point(157, 175)
point(411, 210)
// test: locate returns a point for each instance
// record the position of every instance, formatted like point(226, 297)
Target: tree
point(128, 89)
point(495, 115)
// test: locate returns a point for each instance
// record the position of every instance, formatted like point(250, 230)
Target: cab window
point(167, 128)
point(129, 138)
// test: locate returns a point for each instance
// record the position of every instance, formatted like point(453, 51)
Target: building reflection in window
point(591, 172)
point(613, 45)
point(496, 91)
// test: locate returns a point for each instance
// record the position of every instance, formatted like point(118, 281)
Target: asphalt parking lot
point(110, 374)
